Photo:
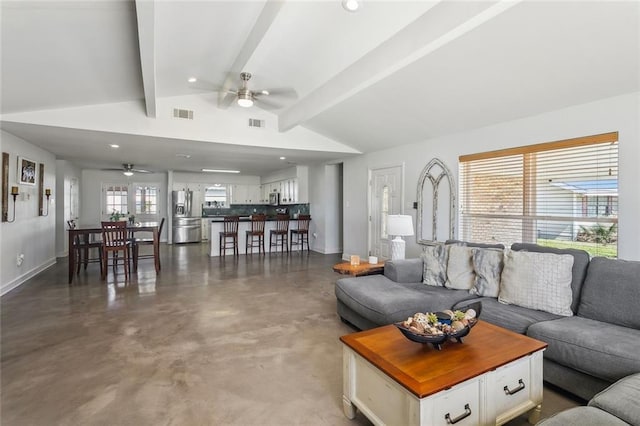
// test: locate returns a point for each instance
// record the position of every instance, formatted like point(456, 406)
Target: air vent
point(183, 113)
point(254, 122)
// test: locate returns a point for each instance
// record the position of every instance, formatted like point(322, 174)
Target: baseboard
point(327, 251)
point(26, 276)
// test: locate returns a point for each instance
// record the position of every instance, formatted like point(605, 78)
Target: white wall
point(65, 171)
point(30, 234)
point(620, 113)
point(91, 193)
point(325, 202)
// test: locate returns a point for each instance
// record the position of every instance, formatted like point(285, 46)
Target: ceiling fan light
point(127, 173)
point(245, 101)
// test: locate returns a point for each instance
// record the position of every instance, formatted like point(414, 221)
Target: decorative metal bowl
point(438, 340)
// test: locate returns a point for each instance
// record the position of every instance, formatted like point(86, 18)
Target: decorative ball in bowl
point(438, 327)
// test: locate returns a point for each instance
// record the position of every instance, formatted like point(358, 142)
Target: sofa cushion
point(435, 265)
point(578, 272)
point(539, 281)
point(611, 292)
point(512, 317)
point(383, 301)
point(460, 274)
point(487, 264)
point(404, 270)
point(607, 351)
point(621, 399)
point(582, 416)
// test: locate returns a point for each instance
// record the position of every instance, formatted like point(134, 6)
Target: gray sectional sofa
point(588, 351)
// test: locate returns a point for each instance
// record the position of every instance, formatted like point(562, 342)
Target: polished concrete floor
point(209, 341)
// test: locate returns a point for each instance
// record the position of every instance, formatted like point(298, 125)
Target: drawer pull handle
point(516, 390)
point(467, 413)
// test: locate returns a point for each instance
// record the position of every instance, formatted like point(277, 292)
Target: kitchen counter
point(242, 218)
point(245, 224)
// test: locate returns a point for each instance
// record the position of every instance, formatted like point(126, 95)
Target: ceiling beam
point(439, 26)
point(145, 13)
point(262, 25)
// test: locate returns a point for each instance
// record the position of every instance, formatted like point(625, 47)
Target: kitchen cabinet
point(245, 194)
point(206, 229)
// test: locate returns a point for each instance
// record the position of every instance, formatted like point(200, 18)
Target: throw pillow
point(488, 265)
point(539, 281)
point(434, 260)
point(460, 275)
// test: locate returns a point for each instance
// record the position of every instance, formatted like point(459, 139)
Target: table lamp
point(399, 225)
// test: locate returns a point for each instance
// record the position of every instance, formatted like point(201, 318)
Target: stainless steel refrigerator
point(186, 227)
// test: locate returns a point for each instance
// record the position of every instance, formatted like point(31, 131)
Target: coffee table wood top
point(423, 370)
point(364, 268)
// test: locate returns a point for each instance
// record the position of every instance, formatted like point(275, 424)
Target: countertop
point(242, 218)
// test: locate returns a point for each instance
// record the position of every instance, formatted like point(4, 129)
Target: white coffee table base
point(492, 398)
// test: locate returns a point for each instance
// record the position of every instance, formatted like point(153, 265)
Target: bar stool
point(230, 232)
point(281, 233)
point(256, 231)
point(302, 233)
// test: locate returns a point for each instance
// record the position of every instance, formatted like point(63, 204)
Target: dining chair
point(281, 233)
point(229, 236)
point(254, 237)
point(82, 246)
point(137, 242)
point(301, 233)
point(115, 240)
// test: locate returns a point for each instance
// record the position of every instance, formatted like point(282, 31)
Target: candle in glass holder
point(14, 190)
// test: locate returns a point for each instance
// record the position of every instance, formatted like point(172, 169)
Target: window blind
point(559, 194)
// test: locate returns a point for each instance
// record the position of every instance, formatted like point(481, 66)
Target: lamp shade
point(399, 224)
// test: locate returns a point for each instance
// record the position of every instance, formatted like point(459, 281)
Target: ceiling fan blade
point(141, 171)
point(266, 104)
point(284, 92)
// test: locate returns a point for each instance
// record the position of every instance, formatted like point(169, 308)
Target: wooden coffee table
point(364, 268)
point(491, 378)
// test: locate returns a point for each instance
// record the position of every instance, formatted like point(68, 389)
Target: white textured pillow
point(460, 275)
point(434, 259)
point(539, 281)
point(487, 264)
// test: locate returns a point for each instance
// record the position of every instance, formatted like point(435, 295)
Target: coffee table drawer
point(459, 405)
point(510, 389)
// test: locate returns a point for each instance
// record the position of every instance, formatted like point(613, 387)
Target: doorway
point(385, 195)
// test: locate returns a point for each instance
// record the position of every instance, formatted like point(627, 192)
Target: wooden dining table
point(88, 230)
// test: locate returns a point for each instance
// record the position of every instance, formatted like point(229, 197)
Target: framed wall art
point(26, 171)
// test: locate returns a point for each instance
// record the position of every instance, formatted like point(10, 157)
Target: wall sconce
point(47, 193)
point(14, 194)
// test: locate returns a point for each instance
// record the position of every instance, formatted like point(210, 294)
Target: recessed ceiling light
point(351, 5)
point(220, 171)
point(114, 146)
point(192, 80)
point(283, 158)
point(183, 155)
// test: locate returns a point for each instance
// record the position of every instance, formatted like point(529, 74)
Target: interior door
point(385, 198)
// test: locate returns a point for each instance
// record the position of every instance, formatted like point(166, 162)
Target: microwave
point(274, 198)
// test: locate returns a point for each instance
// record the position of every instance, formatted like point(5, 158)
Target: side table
point(364, 268)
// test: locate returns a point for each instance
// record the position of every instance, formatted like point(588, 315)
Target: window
point(146, 200)
point(558, 194)
point(116, 199)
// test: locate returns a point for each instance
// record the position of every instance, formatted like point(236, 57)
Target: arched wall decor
point(429, 215)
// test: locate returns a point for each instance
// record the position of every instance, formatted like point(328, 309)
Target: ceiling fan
point(245, 97)
point(128, 169)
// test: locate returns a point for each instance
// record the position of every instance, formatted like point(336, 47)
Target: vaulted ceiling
point(79, 75)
